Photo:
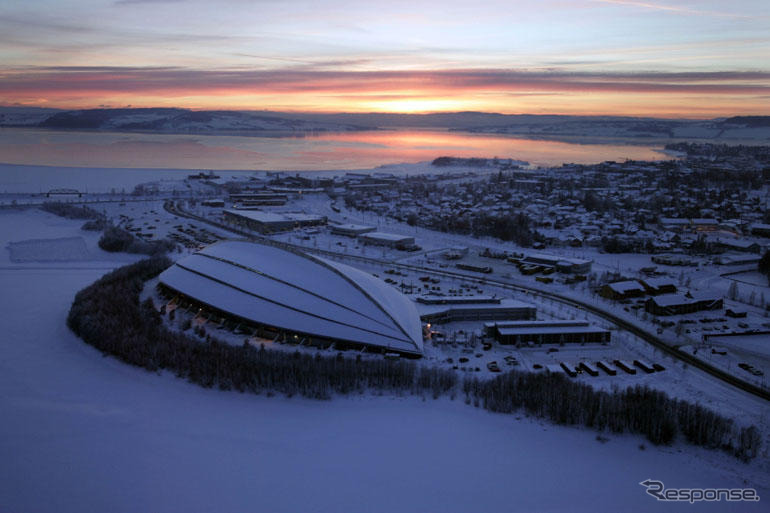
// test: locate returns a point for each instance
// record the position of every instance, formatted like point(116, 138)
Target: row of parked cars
point(750, 368)
point(509, 360)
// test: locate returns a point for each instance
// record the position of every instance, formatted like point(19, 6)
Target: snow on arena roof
point(298, 292)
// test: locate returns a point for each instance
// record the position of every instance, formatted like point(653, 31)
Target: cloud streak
point(327, 90)
point(175, 79)
point(673, 9)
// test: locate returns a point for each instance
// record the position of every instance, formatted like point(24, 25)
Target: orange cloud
point(507, 91)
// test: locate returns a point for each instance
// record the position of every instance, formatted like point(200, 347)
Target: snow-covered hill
point(24, 116)
point(183, 121)
point(753, 128)
point(165, 120)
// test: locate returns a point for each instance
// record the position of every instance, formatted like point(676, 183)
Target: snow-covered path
point(81, 432)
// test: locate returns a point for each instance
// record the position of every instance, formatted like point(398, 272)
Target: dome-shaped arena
point(286, 293)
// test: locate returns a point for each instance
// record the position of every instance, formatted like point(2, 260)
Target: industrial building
point(673, 259)
point(561, 264)
point(350, 230)
point(271, 222)
point(439, 309)
point(289, 295)
point(545, 332)
point(677, 304)
point(390, 240)
point(255, 199)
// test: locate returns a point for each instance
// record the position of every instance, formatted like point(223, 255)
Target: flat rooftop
point(385, 236)
point(534, 324)
point(259, 215)
point(504, 304)
point(549, 330)
point(625, 286)
point(351, 227)
point(457, 300)
point(680, 299)
point(556, 258)
point(263, 216)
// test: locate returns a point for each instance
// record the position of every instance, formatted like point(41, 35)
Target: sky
point(665, 58)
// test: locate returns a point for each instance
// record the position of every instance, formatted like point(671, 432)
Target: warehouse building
point(561, 264)
point(255, 199)
point(271, 222)
point(546, 332)
point(677, 304)
point(440, 309)
point(390, 240)
point(350, 230)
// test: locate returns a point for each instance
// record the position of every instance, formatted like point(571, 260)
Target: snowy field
point(48, 250)
point(81, 432)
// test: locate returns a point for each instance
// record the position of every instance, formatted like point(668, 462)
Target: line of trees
point(95, 220)
point(109, 316)
point(116, 239)
point(113, 238)
point(638, 410)
point(70, 211)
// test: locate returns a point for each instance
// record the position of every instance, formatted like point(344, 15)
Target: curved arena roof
point(300, 293)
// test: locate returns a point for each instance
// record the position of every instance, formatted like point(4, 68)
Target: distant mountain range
point(171, 120)
point(163, 120)
point(755, 128)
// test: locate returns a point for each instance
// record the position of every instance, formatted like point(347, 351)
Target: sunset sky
point(695, 59)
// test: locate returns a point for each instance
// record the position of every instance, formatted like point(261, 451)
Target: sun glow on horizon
point(419, 105)
point(580, 57)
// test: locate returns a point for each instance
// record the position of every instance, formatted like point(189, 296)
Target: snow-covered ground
point(41, 179)
point(81, 432)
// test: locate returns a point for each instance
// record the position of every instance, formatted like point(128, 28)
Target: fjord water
point(304, 152)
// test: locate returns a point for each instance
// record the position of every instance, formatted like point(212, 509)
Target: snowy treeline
point(109, 316)
point(639, 410)
point(96, 219)
point(115, 239)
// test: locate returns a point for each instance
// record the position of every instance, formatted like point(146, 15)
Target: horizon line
point(377, 113)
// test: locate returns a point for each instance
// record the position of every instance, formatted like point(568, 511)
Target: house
point(677, 304)
point(622, 290)
point(657, 286)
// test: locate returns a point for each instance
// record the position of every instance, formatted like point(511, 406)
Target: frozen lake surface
point(321, 151)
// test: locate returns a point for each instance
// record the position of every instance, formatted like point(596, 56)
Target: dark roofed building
point(622, 290)
point(677, 304)
point(658, 286)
